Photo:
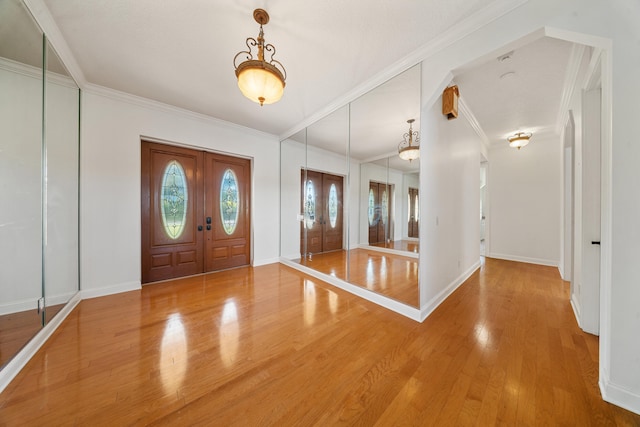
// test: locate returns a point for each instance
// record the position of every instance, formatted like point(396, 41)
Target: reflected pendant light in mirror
point(409, 147)
point(259, 80)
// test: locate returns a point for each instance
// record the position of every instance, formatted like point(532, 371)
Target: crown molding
point(570, 79)
point(457, 32)
point(43, 17)
point(36, 73)
point(151, 104)
point(466, 112)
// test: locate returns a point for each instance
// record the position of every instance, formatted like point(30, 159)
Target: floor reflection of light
point(309, 303)
point(229, 333)
point(173, 354)
point(333, 302)
point(482, 335)
point(370, 274)
point(383, 273)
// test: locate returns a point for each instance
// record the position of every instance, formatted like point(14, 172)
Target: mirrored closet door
point(39, 180)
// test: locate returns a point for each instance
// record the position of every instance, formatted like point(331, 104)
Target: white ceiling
point(181, 53)
point(518, 91)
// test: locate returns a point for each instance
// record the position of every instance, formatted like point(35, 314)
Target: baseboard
point(561, 271)
point(32, 303)
point(389, 251)
point(575, 305)
point(110, 290)
point(444, 294)
point(19, 306)
point(267, 261)
point(527, 260)
point(619, 396)
point(388, 303)
point(15, 365)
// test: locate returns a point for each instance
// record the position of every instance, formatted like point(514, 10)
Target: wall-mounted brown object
point(450, 102)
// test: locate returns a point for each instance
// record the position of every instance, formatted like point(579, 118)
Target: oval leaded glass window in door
point(173, 201)
point(229, 201)
point(333, 205)
point(310, 205)
point(385, 206)
point(371, 208)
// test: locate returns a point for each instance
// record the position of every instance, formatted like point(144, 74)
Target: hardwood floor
point(271, 346)
point(394, 276)
point(16, 329)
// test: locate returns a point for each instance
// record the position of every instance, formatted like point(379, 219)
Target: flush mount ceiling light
point(409, 148)
point(519, 140)
point(259, 80)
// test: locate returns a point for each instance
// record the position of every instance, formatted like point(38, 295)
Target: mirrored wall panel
point(21, 64)
point(386, 260)
point(39, 146)
point(62, 110)
point(353, 213)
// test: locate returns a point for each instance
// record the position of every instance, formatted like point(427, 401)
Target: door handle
point(199, 228)
point(208, 220)
point(208, 226)
point(595, 242)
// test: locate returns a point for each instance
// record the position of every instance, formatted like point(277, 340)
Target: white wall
point(112, 126)
point(525, 200)
point(449, 203)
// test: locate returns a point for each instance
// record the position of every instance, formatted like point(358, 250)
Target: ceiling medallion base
point(261, 16)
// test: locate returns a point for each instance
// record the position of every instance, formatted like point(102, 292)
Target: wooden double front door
point(321, 228)
point(195, 212)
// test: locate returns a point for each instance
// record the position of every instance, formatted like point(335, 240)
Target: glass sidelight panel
point(21, 161)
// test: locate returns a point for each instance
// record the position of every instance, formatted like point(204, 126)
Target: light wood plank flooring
point(16, 329)
point(271, 346)
point(391, 275)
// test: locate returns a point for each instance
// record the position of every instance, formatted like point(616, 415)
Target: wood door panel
point(332, 235)
point(311, 227)
point(227, 248)
point(161, 251)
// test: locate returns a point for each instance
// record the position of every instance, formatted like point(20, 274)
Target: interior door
point(332, 213)
point(413, 212)
point(171, 205)
point(227, 212)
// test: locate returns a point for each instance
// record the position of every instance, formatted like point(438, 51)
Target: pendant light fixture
point(260, 80)
point(409, 148)
point(519, 140)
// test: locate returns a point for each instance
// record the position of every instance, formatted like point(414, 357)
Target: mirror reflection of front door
point(414, 215)
point(321, 229)
point(195, 211)
point(379, 212)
